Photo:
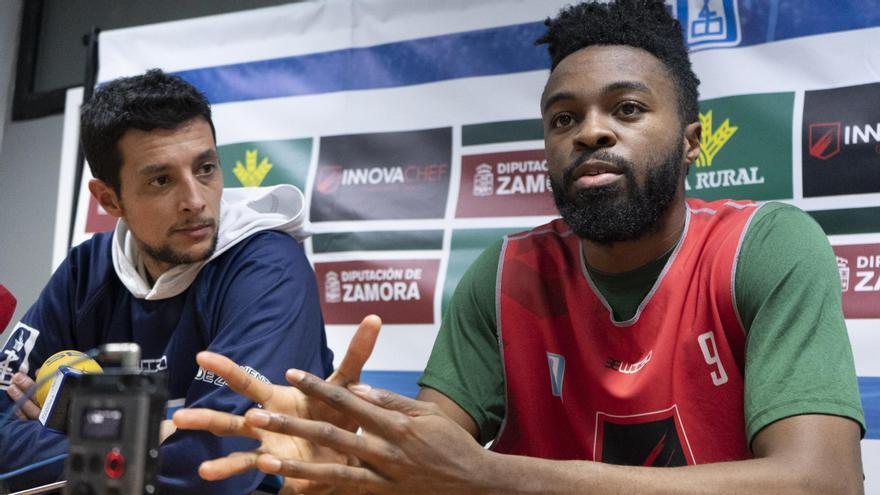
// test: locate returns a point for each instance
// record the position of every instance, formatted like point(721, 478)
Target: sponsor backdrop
point(413, 129)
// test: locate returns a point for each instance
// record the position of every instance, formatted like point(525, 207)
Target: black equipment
point(113, 432)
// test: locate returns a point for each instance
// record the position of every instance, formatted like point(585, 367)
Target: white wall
point(29, 155)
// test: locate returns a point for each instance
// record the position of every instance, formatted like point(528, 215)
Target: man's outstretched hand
point(406, 446)
point(278, 399)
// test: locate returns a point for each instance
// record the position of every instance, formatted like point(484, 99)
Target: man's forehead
point(193, 125)
point(162, 146)
point(605, 65)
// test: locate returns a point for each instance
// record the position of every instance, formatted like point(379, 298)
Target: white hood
point(243, 212)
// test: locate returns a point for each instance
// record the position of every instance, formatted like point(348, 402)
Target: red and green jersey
point(796, 358)
point(663, 388)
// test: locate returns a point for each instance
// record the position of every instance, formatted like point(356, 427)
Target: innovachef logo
point(383, 176)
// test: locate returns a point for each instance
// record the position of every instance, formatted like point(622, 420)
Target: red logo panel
point(98, 220)
point(509, 184)
point(859, 266)
point(399, 291)
point(824, 139)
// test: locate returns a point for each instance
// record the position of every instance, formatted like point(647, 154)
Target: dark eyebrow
point(626, 85)
point(208, 154)
point(158, 168)
point(562, 95)
point(155, 168)
point(610, 88)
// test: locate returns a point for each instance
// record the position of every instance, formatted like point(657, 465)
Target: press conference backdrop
point(413, 129)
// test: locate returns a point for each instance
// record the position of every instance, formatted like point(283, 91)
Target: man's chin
point(177, 256)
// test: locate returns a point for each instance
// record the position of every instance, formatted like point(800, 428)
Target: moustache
point(625, 166)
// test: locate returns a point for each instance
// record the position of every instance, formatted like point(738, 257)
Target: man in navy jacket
point(189, 267)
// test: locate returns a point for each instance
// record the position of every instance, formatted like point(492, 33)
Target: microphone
point(7, 307)
point(53, 396)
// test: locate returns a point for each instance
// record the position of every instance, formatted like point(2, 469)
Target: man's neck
point(629, 255)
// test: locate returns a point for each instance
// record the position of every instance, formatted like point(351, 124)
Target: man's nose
point(192, 198)
point(595, 132)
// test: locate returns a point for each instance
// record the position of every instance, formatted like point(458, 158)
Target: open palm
point(278, 399)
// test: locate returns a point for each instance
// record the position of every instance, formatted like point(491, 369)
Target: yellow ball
point(62, 358)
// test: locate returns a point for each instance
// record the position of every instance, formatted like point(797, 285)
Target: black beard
point(623, 211)
point(165, 254)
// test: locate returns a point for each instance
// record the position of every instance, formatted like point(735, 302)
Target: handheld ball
point(62, 358)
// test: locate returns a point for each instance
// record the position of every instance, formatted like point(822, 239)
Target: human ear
point(692, 137)
point(106, 197)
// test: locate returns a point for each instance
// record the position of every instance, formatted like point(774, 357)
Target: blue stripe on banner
point(485, 52)
point(764, 21)
point(825, 16)
point(401, 382)
point(869, 386)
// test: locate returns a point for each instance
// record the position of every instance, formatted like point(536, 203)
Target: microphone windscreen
point(62, 358)
point(7, 307)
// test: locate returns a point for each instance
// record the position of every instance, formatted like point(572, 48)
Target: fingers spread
point(224, 467)
point(219, 423)
point(359, 350)
point(323, 472)
point(319, 432)
point(387, 399)
point(366, 414)
point(236, 378)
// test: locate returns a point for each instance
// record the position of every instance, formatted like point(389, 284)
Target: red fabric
point(641, 393)
point(7, 307)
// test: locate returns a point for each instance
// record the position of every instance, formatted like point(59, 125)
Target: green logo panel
point(465, 246)
point(745, 148)
point(266, 163)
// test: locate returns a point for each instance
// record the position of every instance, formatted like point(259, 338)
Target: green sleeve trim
point(830, 407)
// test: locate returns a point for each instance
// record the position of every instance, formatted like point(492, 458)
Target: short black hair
point(148, 101)
point(644, 24)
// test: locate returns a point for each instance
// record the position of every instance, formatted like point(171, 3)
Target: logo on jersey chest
point(628, 368)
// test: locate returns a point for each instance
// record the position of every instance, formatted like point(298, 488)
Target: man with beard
point(641, 330)
point(188, 267)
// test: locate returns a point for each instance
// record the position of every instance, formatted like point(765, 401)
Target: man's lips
point(198, 230)
point(595, 173)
